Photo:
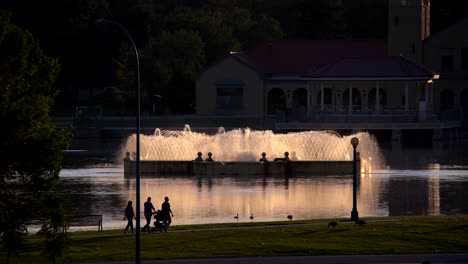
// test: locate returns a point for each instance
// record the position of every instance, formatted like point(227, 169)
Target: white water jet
point(247, 145)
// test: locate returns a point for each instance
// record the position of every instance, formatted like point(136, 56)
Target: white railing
point(358, 113)
point(382, 109)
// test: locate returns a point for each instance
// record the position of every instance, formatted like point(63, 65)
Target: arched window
point(464, 102)
point(300, 99)
point(276, 101)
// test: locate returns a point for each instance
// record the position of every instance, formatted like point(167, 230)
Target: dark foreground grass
point(389, 235)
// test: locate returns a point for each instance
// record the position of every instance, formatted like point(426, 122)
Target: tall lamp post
point(137, 173)
point(354, 212)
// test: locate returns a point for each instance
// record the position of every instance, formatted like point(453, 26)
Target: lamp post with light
point(137, 159)
point(354, 212)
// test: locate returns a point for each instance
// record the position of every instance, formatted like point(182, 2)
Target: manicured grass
point(389, 235)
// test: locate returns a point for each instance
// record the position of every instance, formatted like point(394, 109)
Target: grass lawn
point(388, 235)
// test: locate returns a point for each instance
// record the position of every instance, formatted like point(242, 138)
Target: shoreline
point(275, 224)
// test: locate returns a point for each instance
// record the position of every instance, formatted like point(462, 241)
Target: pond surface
point(414, 181)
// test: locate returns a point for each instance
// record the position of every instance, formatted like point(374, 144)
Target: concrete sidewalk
point(351, 259)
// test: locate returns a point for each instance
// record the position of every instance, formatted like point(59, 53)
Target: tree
point(211, 27)
point(53, 228)
point(172, 61)
point(30, 142)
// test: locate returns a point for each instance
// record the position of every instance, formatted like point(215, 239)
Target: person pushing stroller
point(159, 221)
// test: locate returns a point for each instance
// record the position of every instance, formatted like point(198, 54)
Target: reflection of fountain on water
point(247, 145)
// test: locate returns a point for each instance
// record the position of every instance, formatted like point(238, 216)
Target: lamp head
point(99, 20)
point(354, 141)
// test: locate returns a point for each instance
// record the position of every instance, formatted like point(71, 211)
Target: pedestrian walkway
point(349, 259)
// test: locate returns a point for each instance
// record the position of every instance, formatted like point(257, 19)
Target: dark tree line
point(31, 145)
point(177, 38)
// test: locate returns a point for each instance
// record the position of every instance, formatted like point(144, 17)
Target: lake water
point(415, 181)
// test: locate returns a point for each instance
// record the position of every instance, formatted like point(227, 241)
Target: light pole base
point(354, 215)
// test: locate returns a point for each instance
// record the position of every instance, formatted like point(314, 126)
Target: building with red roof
point(352, 83)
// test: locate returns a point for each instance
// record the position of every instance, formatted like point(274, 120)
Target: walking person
point(149, 209)
point(167, 212)
point(129, 215)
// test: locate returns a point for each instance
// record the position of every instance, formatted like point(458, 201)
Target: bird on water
point(251, 216)
point(236, 216)
point(290, 217)
point(332, 224)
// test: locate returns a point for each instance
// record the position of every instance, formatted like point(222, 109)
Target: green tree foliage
point(30, 142)
point(224, 28)
point(210, 26)
point(172, 61)
point(138, 16)
point(92, 59)
point(264, 28)
point(53, 228)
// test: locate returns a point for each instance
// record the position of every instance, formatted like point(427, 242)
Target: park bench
point(85, 220)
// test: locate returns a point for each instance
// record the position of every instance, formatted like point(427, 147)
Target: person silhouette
point(149, 209)
point(167, 213)
point(129, 215)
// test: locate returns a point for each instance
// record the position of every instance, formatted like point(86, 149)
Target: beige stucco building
point(412, 80)
point(445, 52)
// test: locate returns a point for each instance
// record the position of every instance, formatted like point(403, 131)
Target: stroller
point(159, 223)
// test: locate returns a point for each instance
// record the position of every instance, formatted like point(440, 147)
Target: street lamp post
point(137, 173)
point(354, 212)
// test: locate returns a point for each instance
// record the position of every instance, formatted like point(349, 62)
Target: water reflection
point(219, 199)
point(442, 153)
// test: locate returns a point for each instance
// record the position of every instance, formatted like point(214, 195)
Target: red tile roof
point(382, 67)
point(329, 58)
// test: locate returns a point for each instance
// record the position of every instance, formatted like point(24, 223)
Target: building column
point(377, 98)
point(431, 98)
point(396, 135)
point(406, 97)
point(322, 97)
point(350, 99)
point(426, 92)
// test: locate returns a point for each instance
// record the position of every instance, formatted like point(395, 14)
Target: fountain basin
point(241, 168)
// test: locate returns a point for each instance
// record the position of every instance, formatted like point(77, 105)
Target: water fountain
point(244, 146)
